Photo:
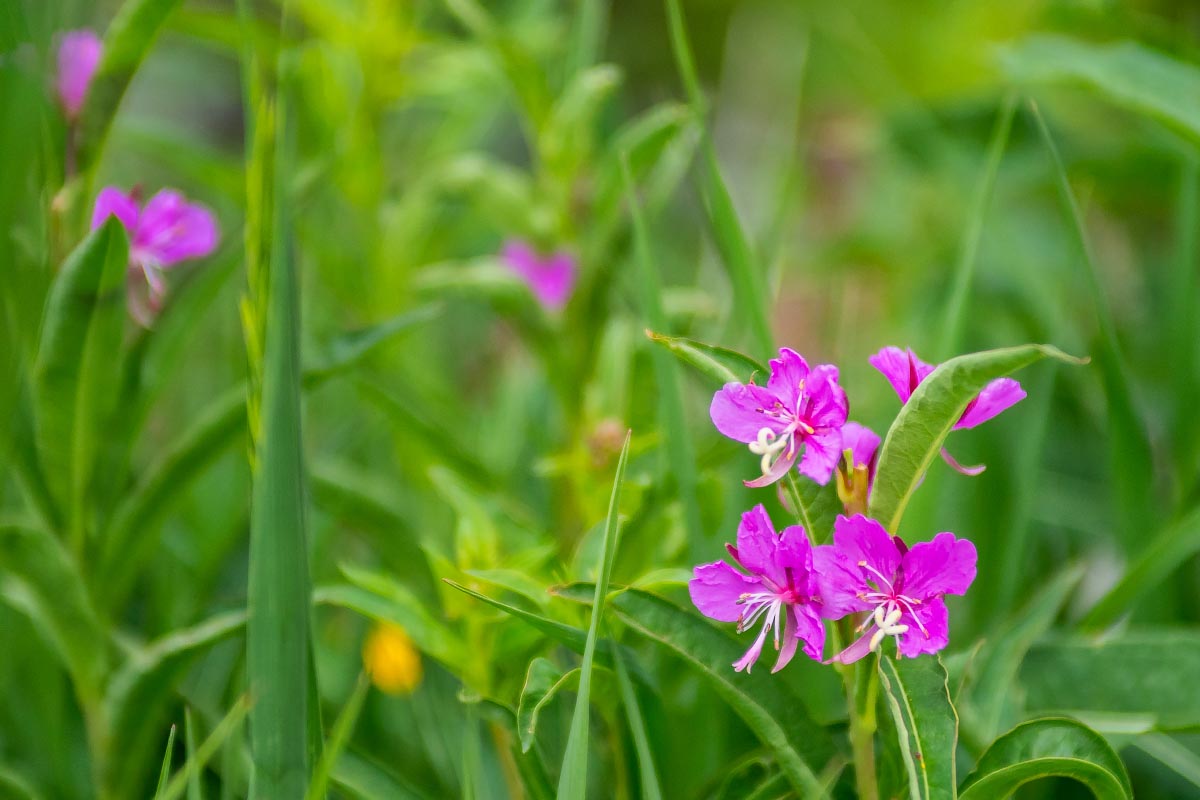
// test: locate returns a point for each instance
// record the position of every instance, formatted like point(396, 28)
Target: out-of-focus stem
point(862, 687)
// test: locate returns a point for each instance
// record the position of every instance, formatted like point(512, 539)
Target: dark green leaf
point(926, 723)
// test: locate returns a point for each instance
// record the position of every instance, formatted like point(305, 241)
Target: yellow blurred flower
point(392, 661)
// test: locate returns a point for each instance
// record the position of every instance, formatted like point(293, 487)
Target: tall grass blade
point(164, 774)
point(339, 737)
point(647, 772)
point(226, 728)
point(572, 783)
point(189, 739)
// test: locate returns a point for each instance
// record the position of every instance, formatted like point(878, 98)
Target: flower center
point(890, 605)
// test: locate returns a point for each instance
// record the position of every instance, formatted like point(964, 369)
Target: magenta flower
point(551, 278)
point(865, 569)
point(166, 231)
point(780, 591)
point(905, 371)
point(78, 57)
point(856, 471)
point(797, 409)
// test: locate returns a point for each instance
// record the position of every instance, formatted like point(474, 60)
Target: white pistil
point(769, 447)
point(887, 624)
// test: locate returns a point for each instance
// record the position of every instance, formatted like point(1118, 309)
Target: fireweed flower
point(780, 590)
point(904, 370)
point(551, 278)
point(78, 57)
point(798, 409)
point(856, 471)
point(865, 569)
point(163, 233)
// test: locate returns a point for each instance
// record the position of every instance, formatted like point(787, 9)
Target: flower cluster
point(787, 585)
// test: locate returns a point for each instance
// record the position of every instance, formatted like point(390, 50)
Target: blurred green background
point(854, 138)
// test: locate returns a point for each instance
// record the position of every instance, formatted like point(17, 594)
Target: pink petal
point(862, 443)
point(747, 661)
point(839, 583)
point(78, 57)
point(827, 406)
point(736, 411)
point(778, 470)
point(172, 230)
point(858, 649)
point(865, 543)
point(998, 395)
point(945, 565)
point(795, 552)
point(788, 372)
point(821, 455)
point(902, 368)
point(962, 469)
point(788, 641)
point(757, 544)
point(112, 202)
point(936, 619)
point(551, 279)
point(810, 630)
point(716, 589)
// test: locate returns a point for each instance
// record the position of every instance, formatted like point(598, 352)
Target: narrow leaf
point(719, 364)
point(165, 773)
point(207, 749)
point(926, 723)
point(338, 739)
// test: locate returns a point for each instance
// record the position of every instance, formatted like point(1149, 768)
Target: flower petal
point(839, 583)
point(172, 230)
point(716, 589)
point(945, 565)
point(862, 442)
point(826, 406)
point(788, 644)
point(777, 471)
point(936, 634)
point(810, 630)
point(821, 455)
point(795, 552)
point(902, 368)
point(857, 650)
point(551, 279)
point(112, 202)
point(788, 372)
point(962, 469)
point(757, 544)
point(78, 57)
point(736, 411)
point(998, 395)
point(865, 543)
point(750, 658)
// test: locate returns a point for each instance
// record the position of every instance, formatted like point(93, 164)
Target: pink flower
point(780, 590)
point(551, 278)
point(856, 471)
point(166, 231)
point(904, 370)
point(78, 57)
point(797, 409)
point(865, 569)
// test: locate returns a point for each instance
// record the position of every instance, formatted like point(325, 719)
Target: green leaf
point(351, 347)
point(1043, 748)
point(1175, 545)
point(566, 140)
point(40, 578)
point(164, 773)
point(719, 364)
point(775, 715)
point(1168, 751)
point(1138, 676)
point(817, 506)
point(1127, 73)
point(338, 738)
point(572, 783)
point(75, 382)
point(128, 39)
point(189, 738)
point(926, 723)
point(542, 680)
point(134, 701)
point(916, 437)
point(207, 749)
point(988, 695)
point(647, 773)
point(363, 779)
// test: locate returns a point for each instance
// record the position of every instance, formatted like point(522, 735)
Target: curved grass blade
point(1043, 748)
point(916, 437)
point(343, 727)
point(572, 784)
point(129, 38)
point(926, 723)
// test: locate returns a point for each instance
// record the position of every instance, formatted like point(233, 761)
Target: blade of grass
point(679, 456)
point(207, 749)
point(745, 273)
point(1130, 460)
point(338, 738)
point(189, 739)
point(165, 773)
point(964, 272)
point(1184, 324)
point(647, 773)
point(572, 784)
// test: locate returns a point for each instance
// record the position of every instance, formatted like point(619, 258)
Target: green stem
point(862, 688)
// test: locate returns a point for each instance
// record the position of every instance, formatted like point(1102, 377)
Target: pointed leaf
point(926, 723)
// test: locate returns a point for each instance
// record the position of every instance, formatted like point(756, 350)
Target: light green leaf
point(719, 364)
point(916, 437)
point(926, 723)
point(1043, 748)
point(572, 783)
point(543, 681)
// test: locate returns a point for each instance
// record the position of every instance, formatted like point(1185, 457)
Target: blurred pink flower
point(78, 57)
point(551, 278)
point(166, 231)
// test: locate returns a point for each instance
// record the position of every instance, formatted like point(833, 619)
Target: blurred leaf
point(566, 140)
point(476, 540)
point(647, 772)
point(363, 779)
point(189, 738)
point(1168, 751)
point(514, 581)
point(641, 143)
point(343, 727)
point(1043, 748)
point(915, 438)
point(164, 774)
point(40, 578)
point(541, 682)
point(1137, 675)
point(74, 377)
point(719, 364)
point(1127, 73)
point(1174, 546)
point(926, 722)
point(778, 718)
point(348, 349)
point(128, 39)
point(135, 695)
point(208, 748)
point(988, 694)
point(572, 783)
point(14, 787)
